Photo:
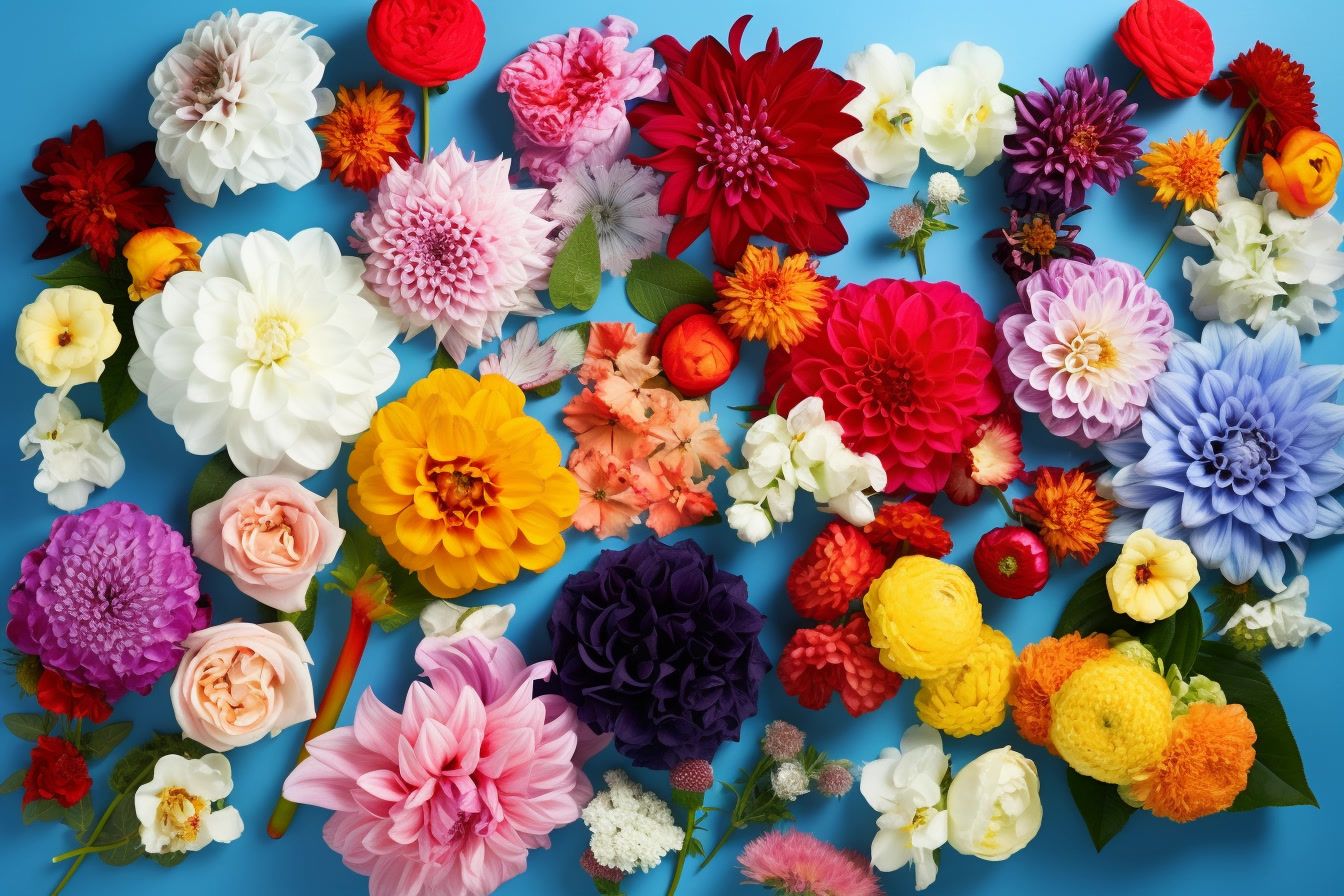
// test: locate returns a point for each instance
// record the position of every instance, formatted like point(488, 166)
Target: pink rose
point(270, 535)
point(568, 93)
point(239, 681)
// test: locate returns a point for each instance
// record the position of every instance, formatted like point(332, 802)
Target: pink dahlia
point(450, 244)
point(1082, 347)
point(796, 864)
point(567, 93)
point(449, 795)
point(906, 368)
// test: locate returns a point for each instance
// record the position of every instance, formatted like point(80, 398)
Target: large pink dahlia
point(1082, 347)
point(450, 244)
point(905, 368)
point(449, 795)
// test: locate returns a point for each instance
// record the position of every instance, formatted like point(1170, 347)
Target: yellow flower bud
point(156, 254)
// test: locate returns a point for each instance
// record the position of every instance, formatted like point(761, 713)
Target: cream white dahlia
point(272, 350)
point(232, 102)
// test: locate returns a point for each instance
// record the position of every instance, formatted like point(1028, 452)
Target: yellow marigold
point(764, 299)
point(1207, 760)
point(972, 698)
point(462, 487)
point(1069, 514)
point(1152, 577)
point(1185, 170)
point(1110, 720)
point(1041, 670)
point(924, 616)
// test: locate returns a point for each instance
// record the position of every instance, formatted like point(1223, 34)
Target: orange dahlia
point(364, 134)
point(836, 569)
point(1067, 512)
point(1185, 170)
point(1204, 766)
point(908, 527)
point(1276, 89)
point(463, 488)
point(777, 302)
point(1042, 669)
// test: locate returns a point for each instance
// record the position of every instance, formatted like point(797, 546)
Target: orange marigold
point(1204, 767)
point(836, 569)
point(777, 302)
point(1042, 669)
point(1069, 514)
point(364, 134)
point(1185, 170)
point(905, 527)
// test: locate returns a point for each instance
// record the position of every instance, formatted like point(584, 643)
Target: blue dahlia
point(1237, 453)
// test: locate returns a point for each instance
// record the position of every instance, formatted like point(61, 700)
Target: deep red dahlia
point(747, 144)
point(835, 569)
point(819, 662)
point(88, 196)
point(1279, 86)
point(908, 527)
point(904, 367)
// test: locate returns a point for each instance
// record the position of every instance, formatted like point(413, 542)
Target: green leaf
point(79, 816)
point(366, 565)
point(1104, 813)
point(658, 284)
point(576, 275)
point(82, 270)
point(1089, 610)
point(168, 859)
point(28, 725)
point(118, 391)
point(442, 360)
point(546, 390)
point(42, 810)
point(216, 477)
point(98, 742)
point(13, 782)
point(1227, 599)
point(1277, 778)
point(122, 828)
point(304, 619)
point(137, 766)
point(1186, 626)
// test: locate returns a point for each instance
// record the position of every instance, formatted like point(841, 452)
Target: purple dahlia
point(658, 646)
point(1035, 236)
point(1069, 139)
point(107, 599)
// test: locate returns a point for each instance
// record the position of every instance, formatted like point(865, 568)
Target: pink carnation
point(449, 795)
point(568, 93)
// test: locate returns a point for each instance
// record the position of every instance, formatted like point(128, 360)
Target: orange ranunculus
point(156, 254)
point(1304, 172)
point(697, 355)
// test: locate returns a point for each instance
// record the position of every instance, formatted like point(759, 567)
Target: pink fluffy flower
point(796, 864)
point(568, 93)
point(450, 244)
point(449, 795)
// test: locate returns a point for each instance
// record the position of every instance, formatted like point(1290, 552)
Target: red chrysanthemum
point(908, 527)
point(88, 197)
point(1171, 44)
point(1281, 90)
point(835, 569)
point(904, 368)
point(818, 662)
point(748, 145)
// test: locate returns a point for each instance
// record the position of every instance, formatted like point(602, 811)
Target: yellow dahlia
point(1111, 719)
point(462, 487)
point(1152, 577)
point(924, 616)
point(1185, 170)
point(972, 698)
point(764, 299)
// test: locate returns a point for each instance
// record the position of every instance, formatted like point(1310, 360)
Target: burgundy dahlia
point(1035, 236)
point(1069, 139)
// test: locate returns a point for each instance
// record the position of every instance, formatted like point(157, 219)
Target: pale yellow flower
point(65, 336)
point(1153, 576)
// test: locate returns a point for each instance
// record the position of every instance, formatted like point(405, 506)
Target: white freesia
point(1282, 617)
point(272, 350)
point(994, 805)
point(232, 103)
point(963, 115)
point(175, 807)
point(78, 455)
point(887, 149)
point(444, 617)
point(905, 787)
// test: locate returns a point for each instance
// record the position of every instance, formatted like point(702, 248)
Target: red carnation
point(57, 773)
point(65, 698)
point(1281, 90)
point(427, 42)
point(88, 197)
point(835, 569)
point(748, 145)
point(818, 662)
point(1171, 44)
point(908, 527)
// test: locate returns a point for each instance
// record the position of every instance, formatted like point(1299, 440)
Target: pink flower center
point(445, 253)
point(740, 149)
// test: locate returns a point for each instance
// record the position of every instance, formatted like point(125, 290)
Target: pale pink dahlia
point(796, 864)
point(450, 244)
point(449, 795)
point(1082, 347)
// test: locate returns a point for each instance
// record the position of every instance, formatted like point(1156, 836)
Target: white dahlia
point(232, 102)
point(272, 350)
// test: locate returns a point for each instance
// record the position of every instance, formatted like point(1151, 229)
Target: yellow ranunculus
point(972, 698)
point(924, 616)
point(65, 335)
point(156, 254)
point(1304, 171)
point(1111, 719)
point(1152, 577)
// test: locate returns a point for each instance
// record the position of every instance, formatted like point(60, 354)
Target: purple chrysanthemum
point(107, 599)
point(658, 646)
point(1069, 139)
point(1035, 236)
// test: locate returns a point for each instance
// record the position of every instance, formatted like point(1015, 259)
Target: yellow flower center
point(180, 813)
point(272, 339)
point(920, 820)
point(1089, 351)
point(463, 491)
point(1038, 236)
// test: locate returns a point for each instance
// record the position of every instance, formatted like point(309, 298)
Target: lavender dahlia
point(658, 646)
point(107, 599)
point(1068, 139)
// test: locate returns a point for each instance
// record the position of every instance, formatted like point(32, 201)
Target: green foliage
point(1174, 640)
point(13, 782)
point(137, 766)
point(28, 725)
point(658, 284)
point(394, 595)
point(576, 275)
point(99, 742)
point(442, 360)
point(1099, 803)
point(42, 810)
point(123, 829)
point(79, 816)
point(216, 477)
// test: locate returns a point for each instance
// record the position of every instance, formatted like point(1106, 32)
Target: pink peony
point(568, 93)
point(270, 535)
point(450, 794)
point(796, 864)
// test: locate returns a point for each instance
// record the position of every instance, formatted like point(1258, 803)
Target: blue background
point(73, 60)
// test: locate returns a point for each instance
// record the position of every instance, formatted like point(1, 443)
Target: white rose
point(994, 805)
point(443, 618)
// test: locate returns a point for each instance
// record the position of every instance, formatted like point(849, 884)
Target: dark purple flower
point(1069, 139)
point(107, 599)
point(1036, 235)
point(658, 646)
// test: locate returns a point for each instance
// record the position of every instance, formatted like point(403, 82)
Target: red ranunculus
point(834, 571)
point(65, 698)
point(1171, 44)
point(1012, 561)
point(57, 773)
point(822, 661)
point(697, 354)
point(427, 42)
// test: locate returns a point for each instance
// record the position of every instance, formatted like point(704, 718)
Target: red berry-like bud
point(692, 776)
point(598, 871)
point(1012, 561)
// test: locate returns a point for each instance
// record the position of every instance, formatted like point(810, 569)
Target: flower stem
point(1241, 122)
point(735, 822)
point(1134, 83)
point(1007, 508)
point(1166, 244)
point(98, 829)
point(89, 850)
point(733, 828)
point(424, 123)
point(691, 824)
point(920, 262)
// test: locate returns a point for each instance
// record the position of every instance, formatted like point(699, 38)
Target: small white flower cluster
point(789, 780)
point(77, 454)
point(1283, 617)
point(945, 189)
point(632, 829)
point(1267, 264)
point(803, 451)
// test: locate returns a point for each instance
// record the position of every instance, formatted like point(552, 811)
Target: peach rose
point(240, 681)
point(156, 254)
point(270, 535)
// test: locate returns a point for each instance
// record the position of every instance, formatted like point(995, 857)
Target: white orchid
point(1283, 617)
point(963, 114)
point(77, 454)
point(905, 787)
point(887, 149)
